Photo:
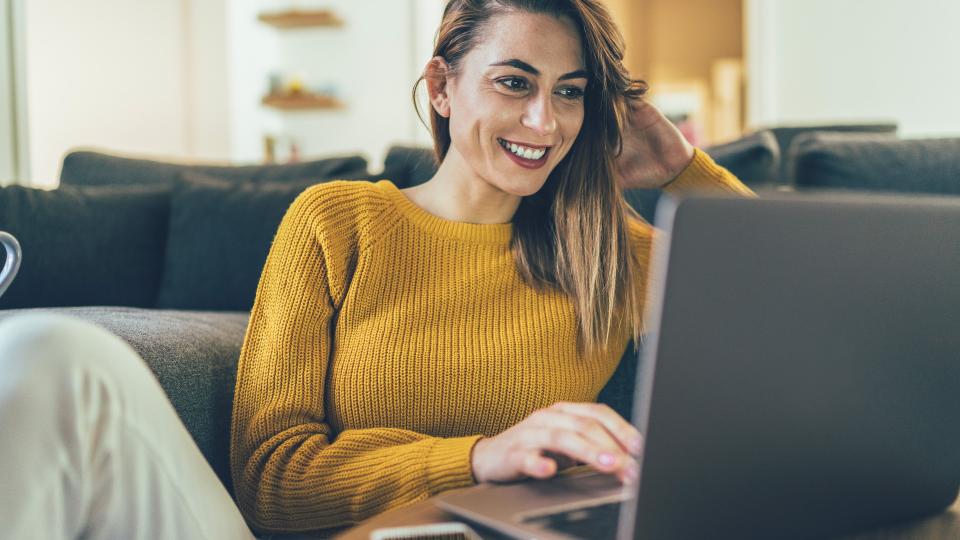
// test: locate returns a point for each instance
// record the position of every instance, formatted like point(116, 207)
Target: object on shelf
point(269, 149)
point(296, 18)
point(280, 148)
point(301, 100)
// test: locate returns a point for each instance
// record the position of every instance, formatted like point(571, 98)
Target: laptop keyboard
point(595, 522)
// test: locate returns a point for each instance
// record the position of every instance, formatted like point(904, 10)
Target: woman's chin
point(522, 189)
point(523, 183)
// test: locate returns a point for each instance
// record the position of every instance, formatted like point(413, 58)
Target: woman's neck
point(456, 193)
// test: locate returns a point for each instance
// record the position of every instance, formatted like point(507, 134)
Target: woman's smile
point(526, 155)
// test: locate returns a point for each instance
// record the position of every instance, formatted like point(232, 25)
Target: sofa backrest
point(86, 168)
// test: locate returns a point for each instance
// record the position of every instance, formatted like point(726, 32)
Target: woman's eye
point(513, 83)
point(571, 92)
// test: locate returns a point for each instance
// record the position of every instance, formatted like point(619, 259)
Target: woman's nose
point(539, 116)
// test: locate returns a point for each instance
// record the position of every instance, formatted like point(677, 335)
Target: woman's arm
point(289, 472)
point(657, 156)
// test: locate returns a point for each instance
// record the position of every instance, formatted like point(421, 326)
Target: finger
point(627, 435)
point(537, 466)
point(572, 445)
point(608, 454)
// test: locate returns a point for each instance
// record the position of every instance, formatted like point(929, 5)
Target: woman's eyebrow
point(523, 66)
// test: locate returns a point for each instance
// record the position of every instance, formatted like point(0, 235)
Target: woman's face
point(516, 101)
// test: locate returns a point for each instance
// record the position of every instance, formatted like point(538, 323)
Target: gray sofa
point(168, 256)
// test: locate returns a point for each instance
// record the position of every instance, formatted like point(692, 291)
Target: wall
point(681, 39)
point(820, 61)
point(132, 77)
point(8, 146)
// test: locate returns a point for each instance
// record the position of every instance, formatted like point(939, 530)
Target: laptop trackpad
point(497, 505)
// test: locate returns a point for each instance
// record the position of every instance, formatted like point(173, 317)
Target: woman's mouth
point(530, 157)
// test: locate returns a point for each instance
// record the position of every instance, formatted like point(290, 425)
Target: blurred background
point(254, 81)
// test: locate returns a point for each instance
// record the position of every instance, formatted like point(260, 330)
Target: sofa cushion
point(754, 158)
point(194, 356)
point(220, 234)
point(408, 166)
point(786, 135)
point(93, 168)
point(86, 245)
point(865, 162)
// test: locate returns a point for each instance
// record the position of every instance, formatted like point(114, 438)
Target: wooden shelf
point(301, 18)
point(298, 102)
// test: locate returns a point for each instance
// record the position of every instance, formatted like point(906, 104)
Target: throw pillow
point(876, 163)
point(86, 246)
point(408, 166)
point(220, 234)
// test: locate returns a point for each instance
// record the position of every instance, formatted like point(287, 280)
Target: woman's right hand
point(561, 434)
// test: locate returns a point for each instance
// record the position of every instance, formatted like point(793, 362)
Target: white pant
point(90, 446)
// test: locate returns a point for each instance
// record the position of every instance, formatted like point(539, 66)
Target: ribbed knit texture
point(384, 341)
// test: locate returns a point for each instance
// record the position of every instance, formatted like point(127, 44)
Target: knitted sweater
point(384, 342)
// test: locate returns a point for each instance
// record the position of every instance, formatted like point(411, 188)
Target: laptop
point(800, 378)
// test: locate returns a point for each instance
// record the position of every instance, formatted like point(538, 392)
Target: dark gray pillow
point(96, 169)
point(86, 246)
point(220, 234)
point(408, 166)
point(865, 162)
point(754, 159)
point(785, 136)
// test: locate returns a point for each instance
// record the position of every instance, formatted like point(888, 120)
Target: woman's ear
point(436, 74)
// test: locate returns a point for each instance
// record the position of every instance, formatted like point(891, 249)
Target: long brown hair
point(572, 234)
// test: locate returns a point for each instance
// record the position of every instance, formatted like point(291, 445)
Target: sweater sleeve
point(704, 175)
point(290, 472)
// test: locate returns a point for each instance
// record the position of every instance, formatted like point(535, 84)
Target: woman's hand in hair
point(557, 437)
point(654, 150)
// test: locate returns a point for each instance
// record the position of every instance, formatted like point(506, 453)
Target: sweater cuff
point(448, 464)
point(703, 175)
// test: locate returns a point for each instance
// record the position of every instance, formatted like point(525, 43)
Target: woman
point(407, 342)
point(402, 342)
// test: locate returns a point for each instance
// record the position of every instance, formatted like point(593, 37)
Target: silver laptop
point(801, 378)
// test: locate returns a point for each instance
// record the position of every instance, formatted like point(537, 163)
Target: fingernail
point(636, 445)
point(606, 459)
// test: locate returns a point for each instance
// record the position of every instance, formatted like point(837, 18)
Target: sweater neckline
point(489, 233)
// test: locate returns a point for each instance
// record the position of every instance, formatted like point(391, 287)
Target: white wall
point(144, 77)
point(14, 157)
point(815, 61)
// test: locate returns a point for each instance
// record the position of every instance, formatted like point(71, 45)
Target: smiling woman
point(508, 108)
point(406, 342)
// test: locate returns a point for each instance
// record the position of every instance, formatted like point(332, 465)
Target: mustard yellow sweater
point(383, 342)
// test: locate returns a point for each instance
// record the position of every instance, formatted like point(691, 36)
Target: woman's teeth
point(526, 153)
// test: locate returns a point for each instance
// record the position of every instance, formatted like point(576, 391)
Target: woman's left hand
point(654, 150)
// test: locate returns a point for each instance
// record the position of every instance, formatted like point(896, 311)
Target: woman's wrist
point(475, 459)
